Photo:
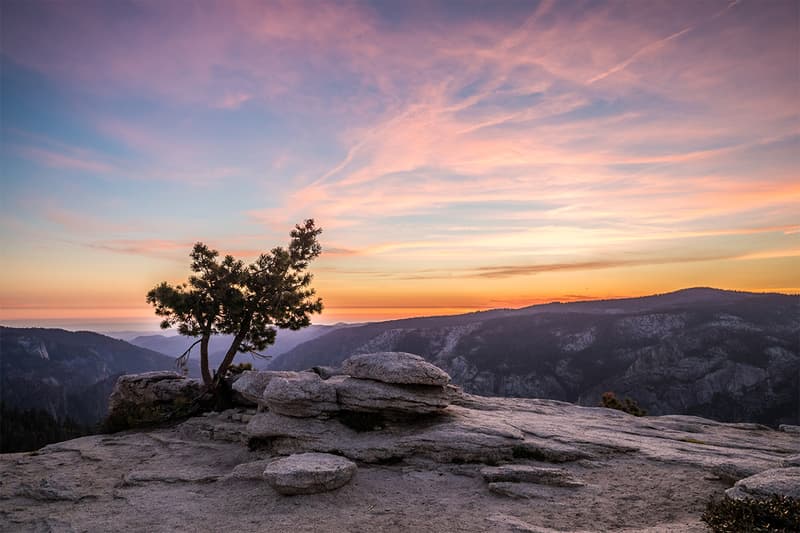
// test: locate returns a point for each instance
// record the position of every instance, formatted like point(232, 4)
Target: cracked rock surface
point(428, 473)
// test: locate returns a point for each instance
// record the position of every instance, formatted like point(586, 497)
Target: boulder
point(151, 398)
point(309, 473)
point(369, 396)
point(554, 477)
point(250, 385)
point(776, 481)
point(395, 367)
point(303, 395)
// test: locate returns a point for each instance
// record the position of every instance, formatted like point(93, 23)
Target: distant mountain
point(728, 355)
point(68, 374)
point(175, 345)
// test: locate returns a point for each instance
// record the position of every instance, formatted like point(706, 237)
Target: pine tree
point(246, 301)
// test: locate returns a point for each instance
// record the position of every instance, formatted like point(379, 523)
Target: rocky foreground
point(385, 444)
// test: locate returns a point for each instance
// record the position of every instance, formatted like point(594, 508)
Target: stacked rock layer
point(385, 383)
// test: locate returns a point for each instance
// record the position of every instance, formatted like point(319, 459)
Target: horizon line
point(138, 323)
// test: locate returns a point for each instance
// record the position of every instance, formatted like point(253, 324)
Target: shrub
point(778, 513)
point(610, 401)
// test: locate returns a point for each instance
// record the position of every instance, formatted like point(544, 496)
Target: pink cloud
point(83, 223)
point(159, 248)
point(234, 100)
point(421, 108)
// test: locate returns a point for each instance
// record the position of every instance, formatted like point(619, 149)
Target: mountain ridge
point(730, 355)
point(68, 374)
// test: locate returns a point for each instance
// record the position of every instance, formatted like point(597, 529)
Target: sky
point(458, 155)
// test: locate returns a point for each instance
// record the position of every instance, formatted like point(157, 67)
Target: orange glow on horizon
point(457, 159)
point(142, 318)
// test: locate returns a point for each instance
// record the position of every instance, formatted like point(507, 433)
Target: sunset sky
point(459, 155)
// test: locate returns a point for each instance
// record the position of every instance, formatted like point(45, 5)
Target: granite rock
point(554, 477)
point(775, 481)
point(163, 479)
point(395, 367)
point(304, 395)
point(366, 395)
point(250, 385)
point(309, 473)
point(151, 398)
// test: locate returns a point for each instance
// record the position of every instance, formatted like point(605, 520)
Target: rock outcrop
point(439, 471)
point(250, 384)
point(389, 383)
point(369, 396)
point(303, 412)
point(141, 400)
point(395, 367)
point(303, 395)
point(309, 473)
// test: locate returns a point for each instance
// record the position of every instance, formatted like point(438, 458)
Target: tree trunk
point(231, 353)
point(204, 359)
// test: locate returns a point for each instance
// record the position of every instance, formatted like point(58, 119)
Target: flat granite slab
point(637, 474)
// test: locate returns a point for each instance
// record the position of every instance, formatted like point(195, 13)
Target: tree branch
point(255, 354)
point(183, 358)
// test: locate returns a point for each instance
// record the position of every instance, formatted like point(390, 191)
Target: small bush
point(610, 401)
point(778, 513)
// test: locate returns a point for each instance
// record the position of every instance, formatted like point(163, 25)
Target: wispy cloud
point(528, 270)
point(770, 254)
point(72, 159)
point(144, 247)
point(639, 53)
point(430, 146)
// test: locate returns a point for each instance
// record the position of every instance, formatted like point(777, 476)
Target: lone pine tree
point(246, 301)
